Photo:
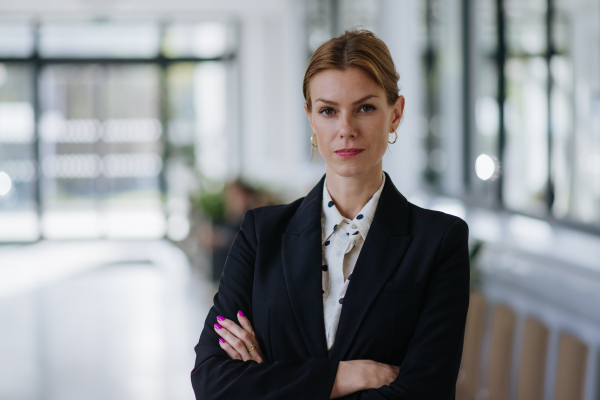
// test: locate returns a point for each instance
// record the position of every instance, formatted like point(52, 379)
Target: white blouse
point(342, 241)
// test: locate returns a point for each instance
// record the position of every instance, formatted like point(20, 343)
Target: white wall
point(399, 29)
point(274, 127)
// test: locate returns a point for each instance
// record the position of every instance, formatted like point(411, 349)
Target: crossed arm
point(240, 343)
point(428, 371)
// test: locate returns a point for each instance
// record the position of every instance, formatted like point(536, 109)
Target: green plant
point(212, 205)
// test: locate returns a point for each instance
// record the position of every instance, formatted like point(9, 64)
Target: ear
point(397, 113)
point(308, 115)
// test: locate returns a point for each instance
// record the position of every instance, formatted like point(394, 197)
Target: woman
point(351, 291)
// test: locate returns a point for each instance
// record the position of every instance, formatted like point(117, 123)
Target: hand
point(356, 375)
point(234, 338)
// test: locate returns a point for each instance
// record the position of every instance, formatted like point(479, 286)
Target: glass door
point(100, 149)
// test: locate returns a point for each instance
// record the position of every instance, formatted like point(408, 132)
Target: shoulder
point(445, 236)
point(423, 219)
point(275, 217)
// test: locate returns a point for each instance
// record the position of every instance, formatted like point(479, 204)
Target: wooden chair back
point(467, 384)
point(570, 369)
point(532, 365)
point(503, 330)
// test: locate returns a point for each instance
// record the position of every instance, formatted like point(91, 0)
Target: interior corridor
point(99, 320)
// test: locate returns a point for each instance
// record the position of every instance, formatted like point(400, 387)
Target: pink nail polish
point(218, 326)
point(219, 318)
point(241, 313)
point(221, 340)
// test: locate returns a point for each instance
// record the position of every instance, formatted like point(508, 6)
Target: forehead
point(343, 85)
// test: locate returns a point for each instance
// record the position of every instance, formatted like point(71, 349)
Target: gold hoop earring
point(394, 139)
point(312, 142)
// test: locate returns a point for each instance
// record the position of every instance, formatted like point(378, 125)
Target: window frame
point(469, 196)
point(38, 62)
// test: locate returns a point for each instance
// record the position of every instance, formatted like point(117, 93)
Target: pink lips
point(347, 153)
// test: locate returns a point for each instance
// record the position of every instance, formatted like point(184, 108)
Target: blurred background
point(135, 134)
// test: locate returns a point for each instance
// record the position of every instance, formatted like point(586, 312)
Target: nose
point(346, 130)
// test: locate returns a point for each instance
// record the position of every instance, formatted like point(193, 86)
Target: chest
point(382, 333)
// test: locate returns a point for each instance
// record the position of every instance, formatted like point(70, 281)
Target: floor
point(99, 320)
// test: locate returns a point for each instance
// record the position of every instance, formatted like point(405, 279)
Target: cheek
point(326, 133)
point(323, 126)
point(385, 141)
point(382, 147)
point(376, 130)
point(379, 143)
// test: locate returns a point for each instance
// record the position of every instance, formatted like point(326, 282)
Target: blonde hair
point(355, 48)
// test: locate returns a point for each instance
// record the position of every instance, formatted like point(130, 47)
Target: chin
point(349, 171)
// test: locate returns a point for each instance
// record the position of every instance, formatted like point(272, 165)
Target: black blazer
point(406, 304)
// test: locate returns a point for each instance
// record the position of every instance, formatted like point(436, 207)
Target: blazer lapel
point(301, 254)
point(386, 243)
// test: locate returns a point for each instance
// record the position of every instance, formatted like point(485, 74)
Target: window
point(18, 164)
point(575, 105)
point(487, 112)
point(119, 107)
point(100, 150)
point(525, 157)
point(532, 122)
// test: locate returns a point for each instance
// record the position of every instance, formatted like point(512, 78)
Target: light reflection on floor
point(125, 330)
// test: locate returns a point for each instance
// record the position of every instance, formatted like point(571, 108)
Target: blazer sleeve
point(216, 376)
point(430, 367)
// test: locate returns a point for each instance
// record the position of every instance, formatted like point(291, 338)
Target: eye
point(366, 108)
point(326, 111)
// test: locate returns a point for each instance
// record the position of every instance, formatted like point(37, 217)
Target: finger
point(245, 322)
point(247, 337)
point(247, 325)
point(237, 344)
point(234, 355)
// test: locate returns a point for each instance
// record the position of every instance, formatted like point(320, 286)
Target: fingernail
point(219, 318)
point(241, 313)
point(221, 340)
point(218, 326)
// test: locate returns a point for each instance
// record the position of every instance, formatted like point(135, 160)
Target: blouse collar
point(331, 218)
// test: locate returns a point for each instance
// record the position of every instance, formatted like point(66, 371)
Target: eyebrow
point(367, 97)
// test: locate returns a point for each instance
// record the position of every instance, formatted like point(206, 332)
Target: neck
point(350, 194)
